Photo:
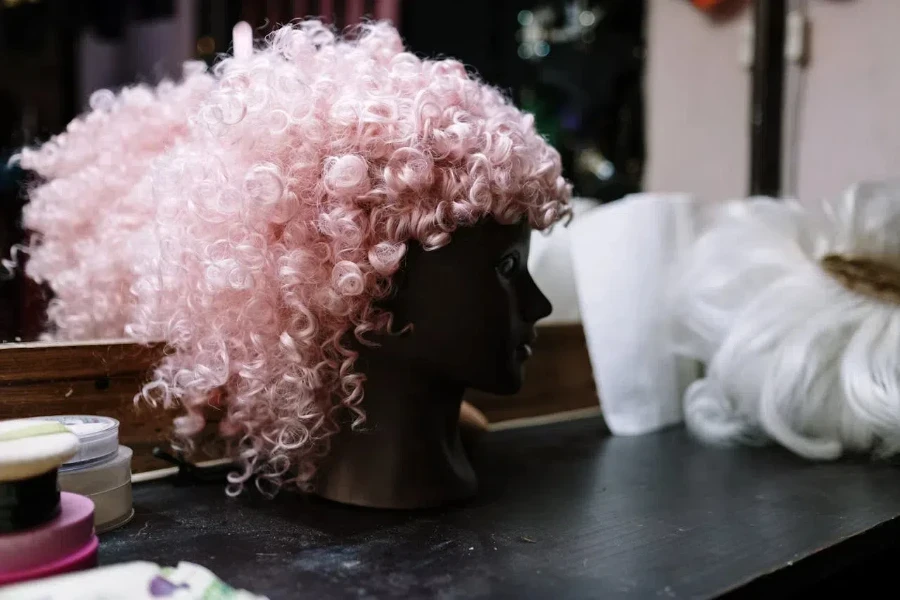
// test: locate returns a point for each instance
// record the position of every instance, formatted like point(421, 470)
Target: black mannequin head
point(472, 306)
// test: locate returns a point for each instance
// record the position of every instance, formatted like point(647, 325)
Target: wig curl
point(281, 214)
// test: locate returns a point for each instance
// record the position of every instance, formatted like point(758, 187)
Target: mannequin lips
point(524, 350)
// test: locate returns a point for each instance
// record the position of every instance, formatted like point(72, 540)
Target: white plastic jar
point(101, 470)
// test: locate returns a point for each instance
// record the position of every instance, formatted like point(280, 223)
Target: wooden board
point(40, 361)
point(103, 378)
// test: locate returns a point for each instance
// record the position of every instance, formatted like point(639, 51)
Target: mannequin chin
point(471, 308)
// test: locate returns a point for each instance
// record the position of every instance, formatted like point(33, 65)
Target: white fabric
point(138, 580)
point(622, 254)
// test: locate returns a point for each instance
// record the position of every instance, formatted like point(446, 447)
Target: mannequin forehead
point(487, 238)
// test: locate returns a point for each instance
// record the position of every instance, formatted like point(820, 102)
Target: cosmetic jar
point(108, 484)
point(101, 470)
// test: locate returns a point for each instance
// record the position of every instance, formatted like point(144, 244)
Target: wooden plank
point(63, 362)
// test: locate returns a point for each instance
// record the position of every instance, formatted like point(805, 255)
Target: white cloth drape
point(622, 254)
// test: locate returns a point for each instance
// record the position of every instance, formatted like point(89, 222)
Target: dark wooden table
point(565, 511)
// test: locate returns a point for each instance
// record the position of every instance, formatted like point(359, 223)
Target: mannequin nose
point(535, 305)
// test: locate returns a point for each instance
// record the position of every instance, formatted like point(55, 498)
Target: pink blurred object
point(65, 544)
point(388, 10)
point(326, 10)
point(354, 11)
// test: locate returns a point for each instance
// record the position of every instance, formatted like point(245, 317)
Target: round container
point(98, 438)
point(107, 484)
point(29, 448)
point(65, 544)
point(101, 470)
point(30, 454)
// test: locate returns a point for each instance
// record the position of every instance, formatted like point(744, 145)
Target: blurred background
point(717, 98)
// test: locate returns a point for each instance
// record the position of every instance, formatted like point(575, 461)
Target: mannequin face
point(473, 306)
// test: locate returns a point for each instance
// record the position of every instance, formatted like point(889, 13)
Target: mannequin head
point(471, 307)
point(323, 193)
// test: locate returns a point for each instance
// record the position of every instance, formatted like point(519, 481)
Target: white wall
point(845, 105)
point(697, 98)
point(850, 101)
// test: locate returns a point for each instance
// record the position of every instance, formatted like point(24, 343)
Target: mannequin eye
point(508, 265)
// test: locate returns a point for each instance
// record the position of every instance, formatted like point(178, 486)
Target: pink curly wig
point(91, 213)
point(279, 218)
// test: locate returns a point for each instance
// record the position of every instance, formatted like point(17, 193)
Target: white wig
point(795, 310)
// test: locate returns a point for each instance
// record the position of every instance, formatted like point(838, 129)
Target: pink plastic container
point(65, 544)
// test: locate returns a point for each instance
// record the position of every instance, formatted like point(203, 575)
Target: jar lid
point(29, 448)
point(98, 438)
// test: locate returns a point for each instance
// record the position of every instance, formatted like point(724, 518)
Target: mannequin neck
point(408, 453)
